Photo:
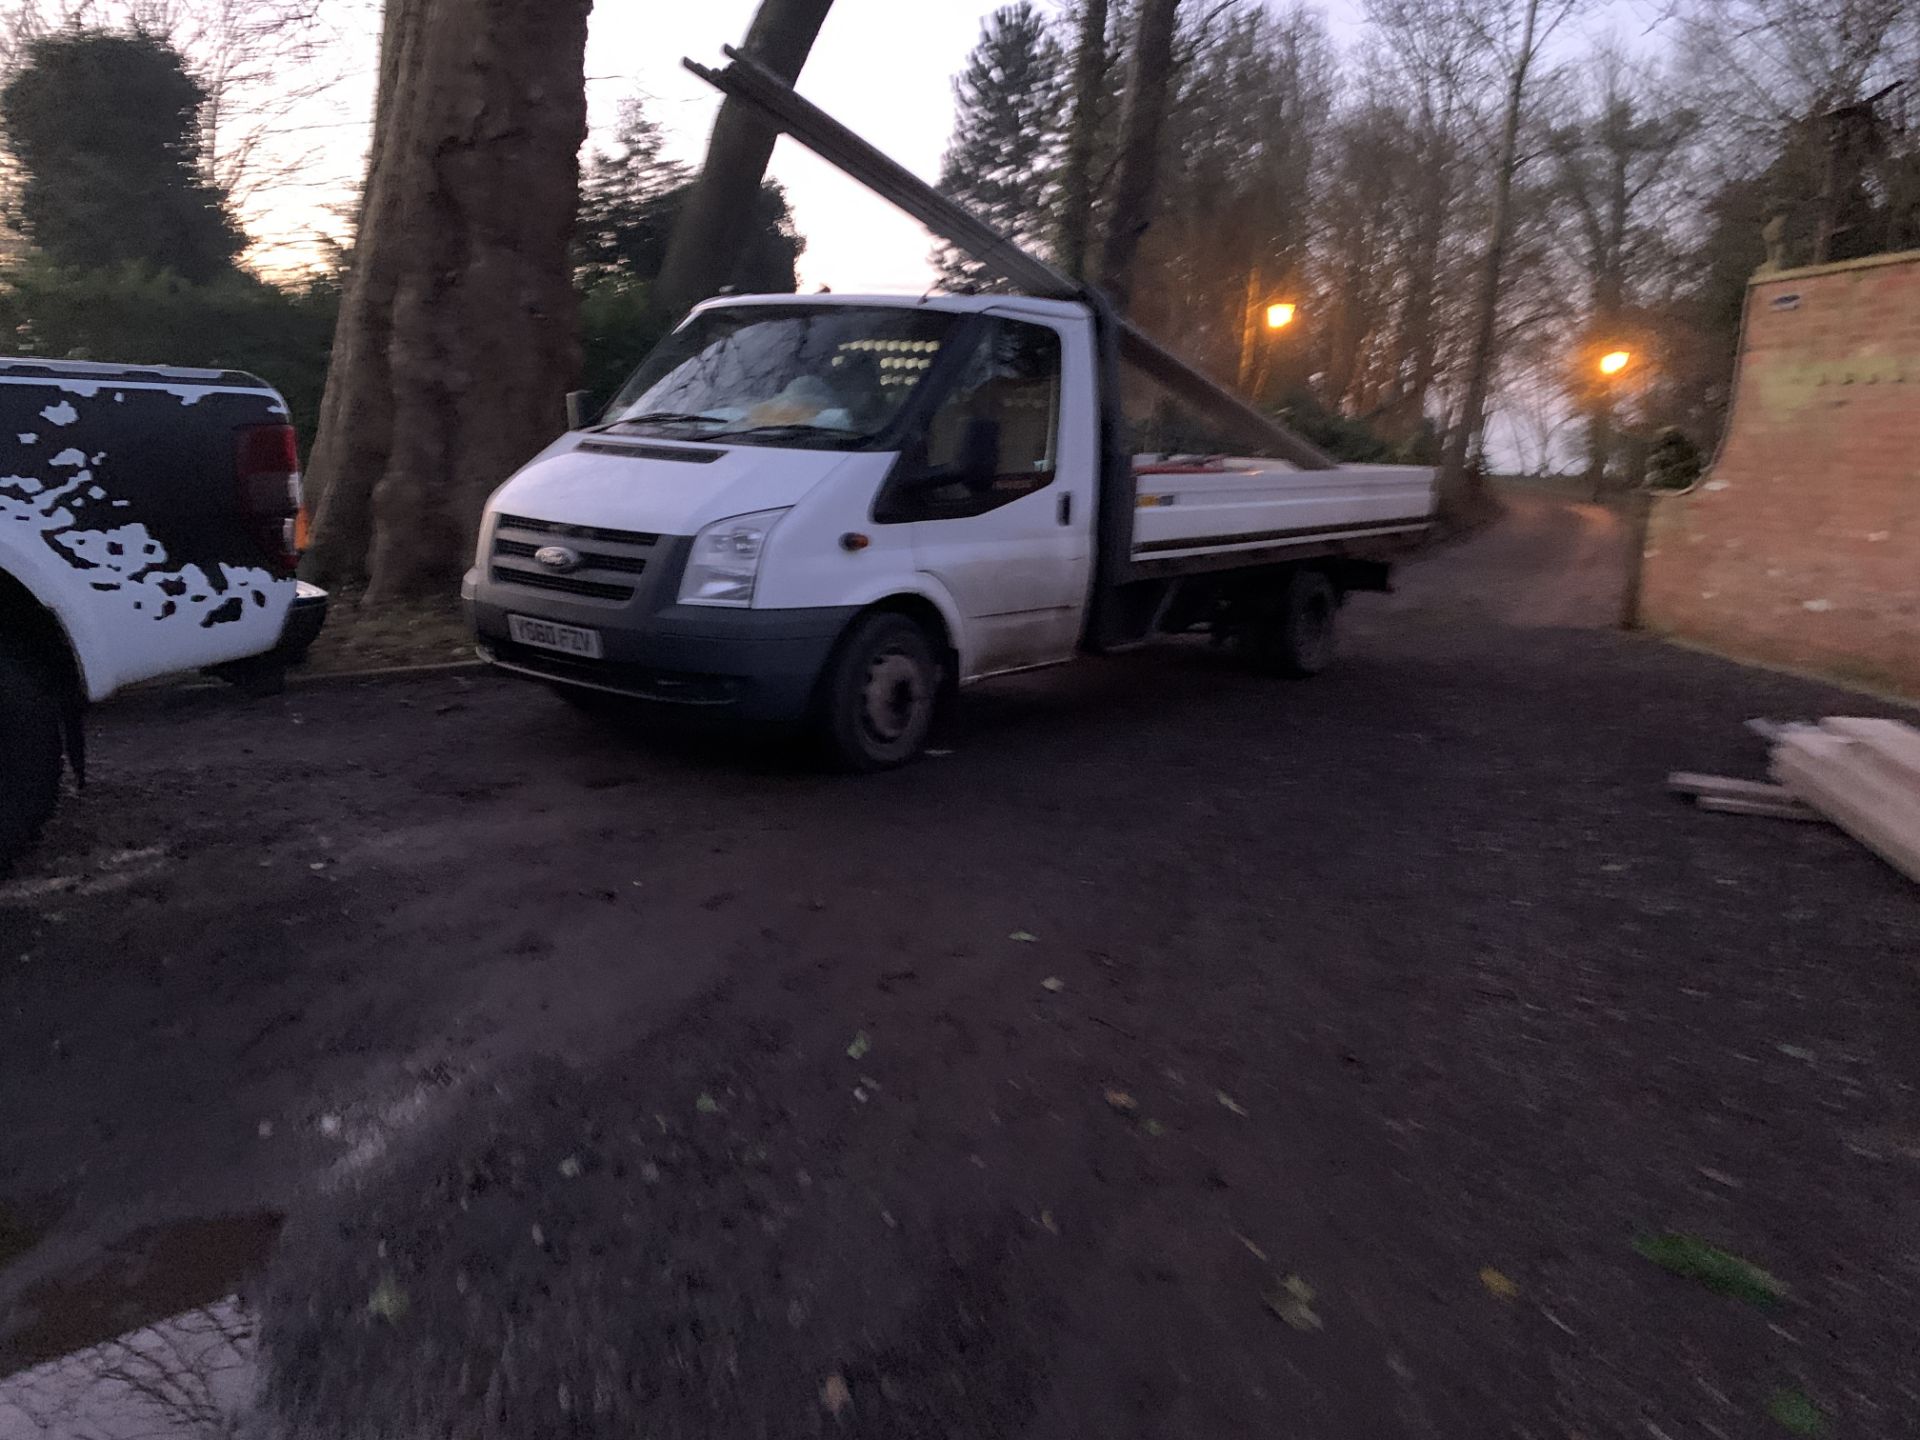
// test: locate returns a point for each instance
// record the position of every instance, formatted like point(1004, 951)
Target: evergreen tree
point(631, 198)
point(106, 131)
point(1007, 134)
point(623, 230)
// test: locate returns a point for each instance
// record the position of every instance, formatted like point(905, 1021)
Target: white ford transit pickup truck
point(831, 510)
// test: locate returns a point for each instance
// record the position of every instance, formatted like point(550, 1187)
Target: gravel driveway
point(1177, 1053)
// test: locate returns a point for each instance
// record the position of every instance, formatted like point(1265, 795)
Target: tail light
point(269, 481)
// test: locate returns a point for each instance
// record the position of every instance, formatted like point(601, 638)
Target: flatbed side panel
point(1251, 502)
point(1379, 545)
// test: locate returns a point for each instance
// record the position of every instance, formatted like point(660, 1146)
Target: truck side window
point(1009, 395)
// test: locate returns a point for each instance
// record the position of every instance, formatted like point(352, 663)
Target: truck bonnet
point(664, 487)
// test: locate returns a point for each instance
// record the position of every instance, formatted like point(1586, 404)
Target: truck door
point(1013, 547)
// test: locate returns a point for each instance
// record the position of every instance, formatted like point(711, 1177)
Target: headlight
point(726, 559)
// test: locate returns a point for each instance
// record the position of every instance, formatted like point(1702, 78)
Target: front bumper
point(753, 665)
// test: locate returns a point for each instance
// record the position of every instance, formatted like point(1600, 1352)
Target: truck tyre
point(1296, 638)
point(30, 750)
point(879, 694)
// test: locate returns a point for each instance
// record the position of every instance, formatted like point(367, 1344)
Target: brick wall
point(1801, 545)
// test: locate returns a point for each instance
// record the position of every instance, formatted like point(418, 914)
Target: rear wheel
point(1296, 636)
point(30, 750)
point(879, 695)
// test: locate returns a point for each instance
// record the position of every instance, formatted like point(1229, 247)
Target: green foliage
point(632, 196)
point(1011, 101)
point(1692, 1258)
point(1354, 440)
point(1794, 1412)
point(624, 226)
point(617, 330)
point(105, 129)
point(1674, 462)
point(136, 316)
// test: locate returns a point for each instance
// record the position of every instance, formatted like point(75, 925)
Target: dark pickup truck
point(147, 527)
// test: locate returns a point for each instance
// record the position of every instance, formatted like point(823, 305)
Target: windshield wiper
point(792, 431)
point(666, 417)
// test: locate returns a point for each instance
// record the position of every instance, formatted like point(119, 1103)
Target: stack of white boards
point(1864, 776)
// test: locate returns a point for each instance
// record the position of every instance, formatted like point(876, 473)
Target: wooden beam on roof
point(787, 110)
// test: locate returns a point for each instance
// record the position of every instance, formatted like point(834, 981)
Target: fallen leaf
point(1025, 937)
point(264, 1129)
point(1794, 1412)
point(1252, 1248)
point(1293, 1303)
point(1227, 1100)
point(1498, 1283)
point(1719, 1177)
point(388, 1301)
point(329, 1125)
point(1047, 1222)
point(707, 1105)
point(570, 1168)
point(1798, 1052)
point(539, 1235)
point(1053, 983)
point(1154, 1128)
point(1692, 1258)
point(859, 1047)
point(835, 1395)
point(1123, 1102)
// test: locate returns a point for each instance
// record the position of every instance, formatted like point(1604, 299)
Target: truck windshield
point(825, 376)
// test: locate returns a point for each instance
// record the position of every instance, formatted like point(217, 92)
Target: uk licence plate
point(545, 635)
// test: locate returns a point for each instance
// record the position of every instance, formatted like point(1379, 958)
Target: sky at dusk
point(883, 67)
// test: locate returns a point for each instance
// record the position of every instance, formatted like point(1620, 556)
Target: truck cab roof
point(951, 304)
point(94, 372)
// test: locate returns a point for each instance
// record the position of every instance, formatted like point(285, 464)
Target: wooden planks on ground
point(1726, 787)
point(1725, 795)
point(1788, 809)
point(1864, 775)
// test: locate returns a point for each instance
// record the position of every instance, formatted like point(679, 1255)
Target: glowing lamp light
point(1615, 361)
point(1279, 315)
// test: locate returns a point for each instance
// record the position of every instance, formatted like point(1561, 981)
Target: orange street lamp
point(1614, 362)
point(1280, 315)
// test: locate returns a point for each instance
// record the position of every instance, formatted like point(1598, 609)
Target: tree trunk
point(1609, 302)
point(715, 225)
point(1083, 135)
point(1464, 494)
point(458, 340)
point(1136, 177)
point(348, 455)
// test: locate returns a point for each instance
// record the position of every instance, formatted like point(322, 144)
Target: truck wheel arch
point(39, 630)
point(23, 615)
point(922, 610)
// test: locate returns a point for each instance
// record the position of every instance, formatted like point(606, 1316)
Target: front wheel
point(30, 751)
point(879, 694)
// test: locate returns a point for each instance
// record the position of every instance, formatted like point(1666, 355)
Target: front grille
point(577, 532)
point(606, 571)
point(589, 560)
point(564, 584)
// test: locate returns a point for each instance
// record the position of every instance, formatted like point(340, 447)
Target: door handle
point(1066, 508)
